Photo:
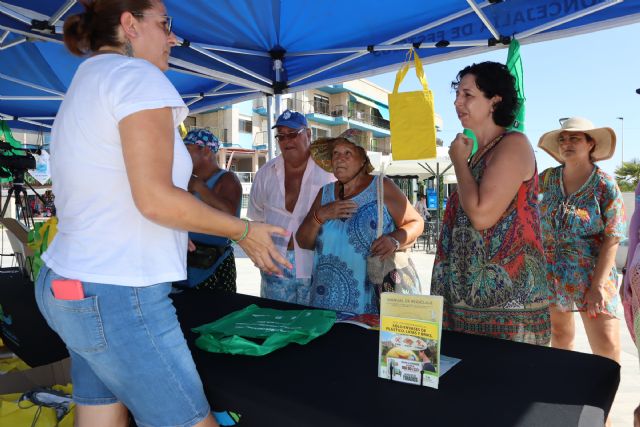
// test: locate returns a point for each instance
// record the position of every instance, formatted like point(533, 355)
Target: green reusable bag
point(242, 331)
point(514, 64)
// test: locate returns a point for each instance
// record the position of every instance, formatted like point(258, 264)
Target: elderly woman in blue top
point(210, 260)
point(341, 225)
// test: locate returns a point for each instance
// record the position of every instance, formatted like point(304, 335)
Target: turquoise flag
point(514, 64)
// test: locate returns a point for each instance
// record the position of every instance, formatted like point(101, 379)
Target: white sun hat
point(605, 139)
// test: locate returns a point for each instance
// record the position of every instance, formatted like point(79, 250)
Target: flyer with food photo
point(410, 331)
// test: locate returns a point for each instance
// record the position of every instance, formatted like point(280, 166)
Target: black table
point(332, 381)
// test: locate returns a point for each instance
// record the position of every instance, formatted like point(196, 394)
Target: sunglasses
point(168, 22)
point(281, 137)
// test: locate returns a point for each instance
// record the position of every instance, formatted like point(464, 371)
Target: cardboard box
point(42, 376)
point(18, 236)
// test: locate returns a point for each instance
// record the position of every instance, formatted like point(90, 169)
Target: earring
point(128, 48)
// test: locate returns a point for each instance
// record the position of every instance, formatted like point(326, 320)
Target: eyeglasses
point(166, 24)
point(281, 137)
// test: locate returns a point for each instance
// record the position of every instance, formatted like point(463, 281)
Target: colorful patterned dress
point(339, 279)
point(573, 229)
point(493, 280)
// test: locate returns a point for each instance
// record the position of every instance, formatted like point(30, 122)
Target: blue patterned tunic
point(339, 279)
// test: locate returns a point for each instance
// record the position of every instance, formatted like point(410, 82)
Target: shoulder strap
point(483, 151)
point(380, 197)
point(211, 182)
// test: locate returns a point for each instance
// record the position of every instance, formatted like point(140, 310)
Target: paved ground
point(628, 396)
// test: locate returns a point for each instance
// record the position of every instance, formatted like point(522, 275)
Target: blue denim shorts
point(126, 346)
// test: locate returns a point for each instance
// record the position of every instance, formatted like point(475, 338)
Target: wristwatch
point(395, 241)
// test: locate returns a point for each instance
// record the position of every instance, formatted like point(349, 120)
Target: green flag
point(514, 64)
point(7, 136)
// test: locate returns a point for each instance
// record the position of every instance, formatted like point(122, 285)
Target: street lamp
point(621, 138)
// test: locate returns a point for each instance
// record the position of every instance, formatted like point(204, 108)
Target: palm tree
point(628, 175)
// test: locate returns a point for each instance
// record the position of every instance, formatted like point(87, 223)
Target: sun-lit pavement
point(628, 396)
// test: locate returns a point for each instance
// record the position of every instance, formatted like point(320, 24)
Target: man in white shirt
point(282, 194)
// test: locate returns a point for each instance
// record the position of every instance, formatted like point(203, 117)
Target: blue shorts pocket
point(79, 324)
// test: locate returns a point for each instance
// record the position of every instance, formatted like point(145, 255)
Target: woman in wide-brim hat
point(341, 225)
point(582, 223)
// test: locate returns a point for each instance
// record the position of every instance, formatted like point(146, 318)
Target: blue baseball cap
point(291, 119)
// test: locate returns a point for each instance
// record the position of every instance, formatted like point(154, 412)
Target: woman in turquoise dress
point(341, 226)
point(489, 264)
point(582, 223)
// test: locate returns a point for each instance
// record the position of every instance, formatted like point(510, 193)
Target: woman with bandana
point(210, 260)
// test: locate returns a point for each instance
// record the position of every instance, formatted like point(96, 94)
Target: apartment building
point(330, 110)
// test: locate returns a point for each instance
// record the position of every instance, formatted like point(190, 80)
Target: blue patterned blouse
point(339, 279)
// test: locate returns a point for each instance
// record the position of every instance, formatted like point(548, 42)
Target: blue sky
point(593, 76)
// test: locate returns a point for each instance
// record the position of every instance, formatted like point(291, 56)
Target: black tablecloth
point(332, 381)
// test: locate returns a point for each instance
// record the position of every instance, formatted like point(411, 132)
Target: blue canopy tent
point(233, 50)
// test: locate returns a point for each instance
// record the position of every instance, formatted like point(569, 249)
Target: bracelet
point(315, 216)
point(395, 241)
point(246, 231)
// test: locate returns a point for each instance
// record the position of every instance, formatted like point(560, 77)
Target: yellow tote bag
point(412, 117)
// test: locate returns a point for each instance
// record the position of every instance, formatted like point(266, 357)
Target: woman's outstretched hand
point(258, 245)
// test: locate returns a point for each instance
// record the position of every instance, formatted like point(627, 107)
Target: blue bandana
point(203, 138)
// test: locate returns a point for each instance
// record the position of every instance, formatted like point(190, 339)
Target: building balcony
point(370, 119)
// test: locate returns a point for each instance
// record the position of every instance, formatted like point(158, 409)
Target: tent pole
point(33, 122)
point(229, 63)
point(31, 98)
point(269, 99)
point(438, 178)
point(277, 67)
point(484, 19)
point(386, 48)
point(567, 18)
point(60, 12)
point(388, 42)
point(276, 113)
point(14, 42)
point(223, 77)
point(234, 50)
point(31, 85)
point(219, 93)
point(15, 15)
point(193, 101)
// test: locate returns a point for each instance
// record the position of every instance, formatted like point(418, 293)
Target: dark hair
point(589, 138)
point(493, 78)
point(98, 25)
